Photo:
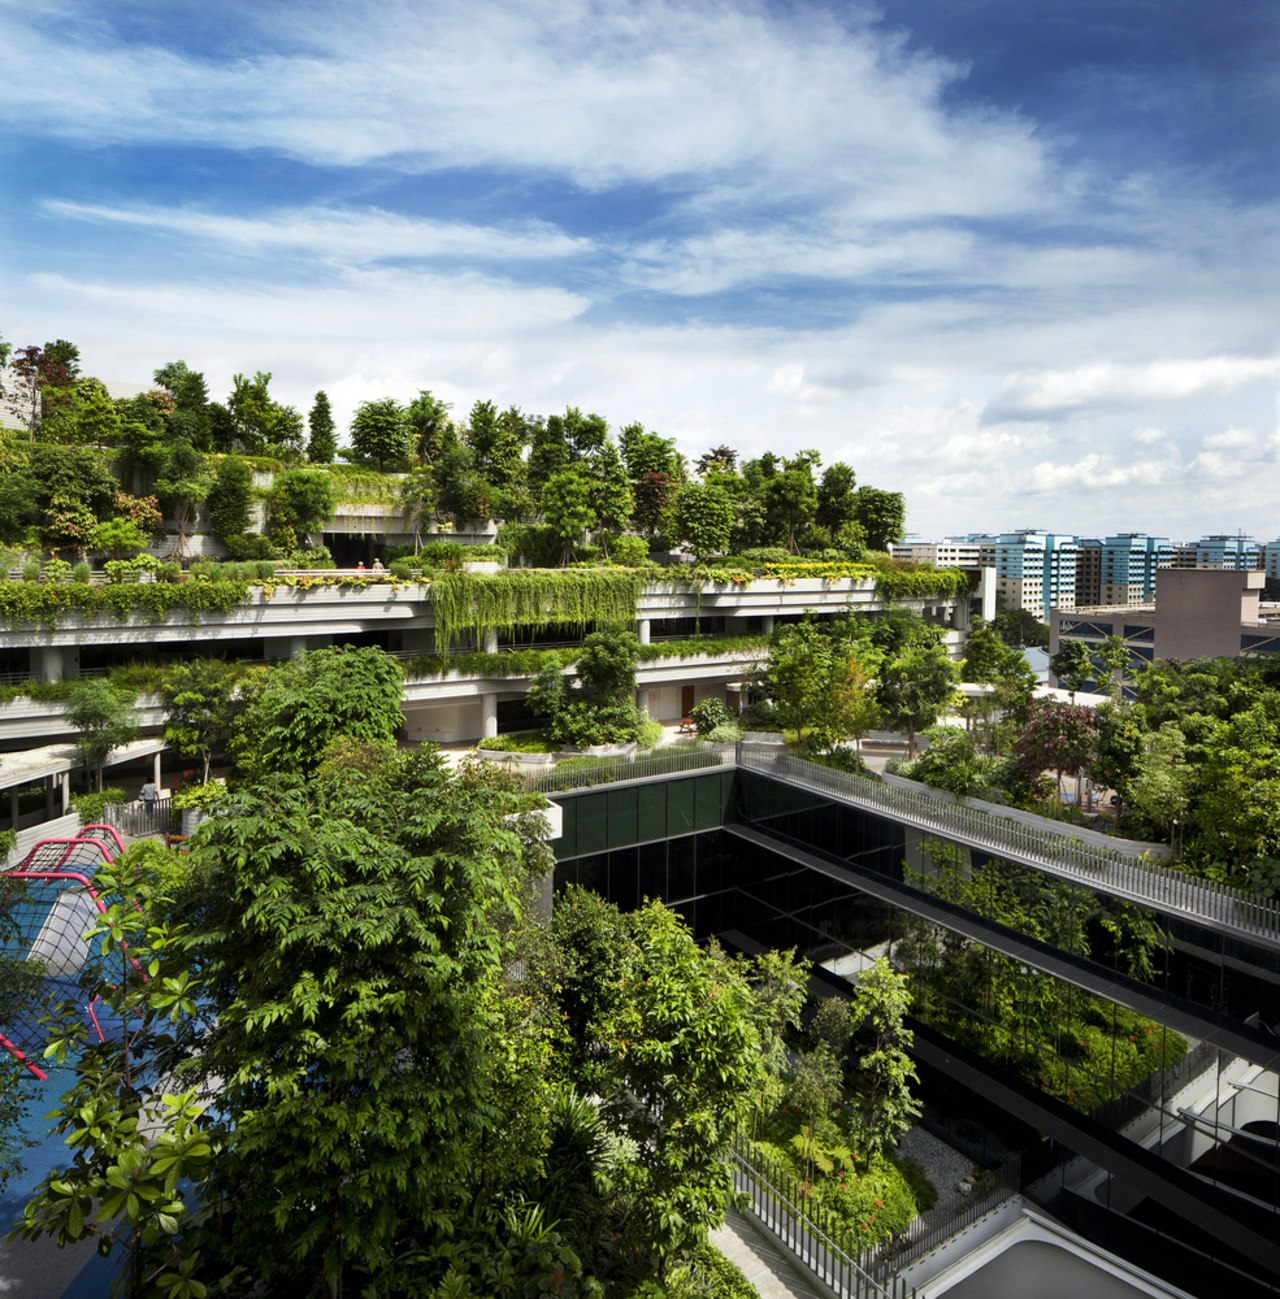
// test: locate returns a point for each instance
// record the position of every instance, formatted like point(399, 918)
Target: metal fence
point(826, 1246)
point(1045, 848)
point(989, 1191)
point(140, 819)
point(829, 1247)
point(672, 761)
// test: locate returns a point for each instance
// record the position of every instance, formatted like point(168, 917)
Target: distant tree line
point(589, 492)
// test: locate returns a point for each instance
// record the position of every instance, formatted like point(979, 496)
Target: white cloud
point(688, 95)
point(1107, 385)
point(348, 235)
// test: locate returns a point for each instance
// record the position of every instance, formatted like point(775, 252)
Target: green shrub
point(922, 1189)
point(726, 733)
point(31, 571)
point(629, 550)
point(704, 1273)
point(312, 557)
point(649, 734)
point(876, 1202)
point(709, 714)
point(760, 716)
point(518, 742)
point(90, 808)
point(444, 555)
point(81, 573)
point(250, 545)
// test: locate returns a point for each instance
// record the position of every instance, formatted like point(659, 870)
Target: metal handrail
point(1046, 847)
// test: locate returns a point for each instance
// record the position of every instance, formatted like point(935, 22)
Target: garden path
point(761, 1261)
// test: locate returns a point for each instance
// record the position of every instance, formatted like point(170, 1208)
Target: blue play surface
point(48, 1152)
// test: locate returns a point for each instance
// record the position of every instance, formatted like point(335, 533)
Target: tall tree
point(105, 717)
point(98, 420)
point(612, 497)
point(430, 430)
point(230, 498)
point(704, 519)
point(882, 516)
point(183, 483)
point(837, 505)
point(1057, 737)
point(790, 500)
point(300, 502)
point(254, 421)
point(1072, 665)
point(379, 433)
point(915, 689)
point(322, 444)
point(566, 505)
point(303, 707)
point(199, 701)
point(191, 418)
point(883, 1071)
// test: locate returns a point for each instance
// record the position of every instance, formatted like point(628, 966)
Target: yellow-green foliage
point(533, 597)
point(32, 602)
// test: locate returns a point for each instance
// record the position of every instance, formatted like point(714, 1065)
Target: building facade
point(1036, 571)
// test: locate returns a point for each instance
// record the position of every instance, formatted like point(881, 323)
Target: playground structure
point(49, 904)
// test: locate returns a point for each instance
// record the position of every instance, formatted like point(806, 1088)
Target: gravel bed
point(945, 1166)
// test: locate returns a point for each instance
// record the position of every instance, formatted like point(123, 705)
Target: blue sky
point(1017, 260)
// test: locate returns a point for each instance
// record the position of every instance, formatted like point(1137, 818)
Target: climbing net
point(48, 904)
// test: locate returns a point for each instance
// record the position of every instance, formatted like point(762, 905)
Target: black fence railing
point(830, 1248)
point(824, 1245)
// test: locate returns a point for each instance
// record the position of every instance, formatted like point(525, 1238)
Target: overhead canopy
point(58, 759)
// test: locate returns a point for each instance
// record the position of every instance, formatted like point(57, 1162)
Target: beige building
point(1197, 613)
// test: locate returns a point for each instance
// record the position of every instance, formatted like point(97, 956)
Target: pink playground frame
point(56, 873)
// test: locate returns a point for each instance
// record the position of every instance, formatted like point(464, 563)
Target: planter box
point(519, 759)
point(602, 751)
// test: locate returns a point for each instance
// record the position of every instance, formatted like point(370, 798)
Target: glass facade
point(1129, 1060)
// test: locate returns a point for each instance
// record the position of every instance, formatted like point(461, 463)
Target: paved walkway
point(761, 1261)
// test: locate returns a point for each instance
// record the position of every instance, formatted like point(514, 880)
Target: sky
point(1014, 259)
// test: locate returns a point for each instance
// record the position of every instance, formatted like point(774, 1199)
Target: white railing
point(1048, 847)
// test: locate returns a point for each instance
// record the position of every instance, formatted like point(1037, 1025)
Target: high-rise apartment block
point(1235, 552)
point(1036, 571)
point(1039, 571)
point(1271, 560)
point(976, 550)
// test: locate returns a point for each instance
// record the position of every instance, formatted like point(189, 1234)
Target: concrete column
point(490, 645)
point(488, 716)
point(66, 791)
point(298, 646)
point(642, 699)
point(52, 663)
point(644, 631)
point(155, 770)
point(766, 624)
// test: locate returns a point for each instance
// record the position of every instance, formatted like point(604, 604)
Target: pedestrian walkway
point(762, 1261)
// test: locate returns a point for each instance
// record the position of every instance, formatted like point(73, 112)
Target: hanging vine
point(531, 597)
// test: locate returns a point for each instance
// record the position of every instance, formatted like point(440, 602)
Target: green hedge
point(29, 602)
